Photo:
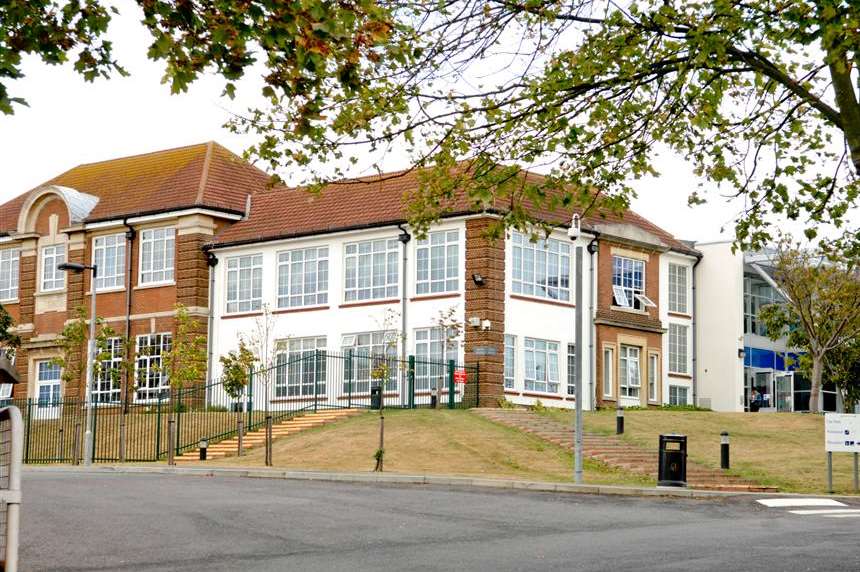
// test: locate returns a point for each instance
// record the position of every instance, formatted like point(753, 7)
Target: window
point(109, 256)
point(608, 371)
point(370, 350)
point(541, 268)
point(541, 365)
point(9, 258)
point(157, 247)
point(245, 283)
point(653, 362)
point(106, 384)
point(629, 380)
point(628, 282)
point(433, 349)
point(677, 395)
point(52, 278)
point(678, 348)
point(757, 295)
point(370, 270)
point(510, 360)
point(303, 277)
point(438, 263)
point(48, 383)
point(299, 367)
point(678, 288)
point(152, 380)
point(571, 369)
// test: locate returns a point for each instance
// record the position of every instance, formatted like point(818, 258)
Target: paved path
point(78, 521)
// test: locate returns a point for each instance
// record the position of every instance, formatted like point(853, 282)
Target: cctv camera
point(574, 230)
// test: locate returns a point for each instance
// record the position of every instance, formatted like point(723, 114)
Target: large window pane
point(540, 268)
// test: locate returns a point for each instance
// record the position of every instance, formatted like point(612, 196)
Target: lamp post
point(91, 354)
point(573, 233)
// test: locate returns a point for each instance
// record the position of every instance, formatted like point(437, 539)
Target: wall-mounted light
point(211, 259)
point(741, 353)
point(475, 322)
point(478, 279)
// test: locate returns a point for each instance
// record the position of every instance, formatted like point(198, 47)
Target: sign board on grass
point(460, 375)
point(842, 433)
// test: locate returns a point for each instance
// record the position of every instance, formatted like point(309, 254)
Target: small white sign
point(842, 432)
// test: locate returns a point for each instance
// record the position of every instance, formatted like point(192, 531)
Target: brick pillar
point(192, 278)
point(76, 284)
point(487, 302)
point(26, 307)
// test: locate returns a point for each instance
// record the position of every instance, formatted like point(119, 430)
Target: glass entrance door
point(784, 392)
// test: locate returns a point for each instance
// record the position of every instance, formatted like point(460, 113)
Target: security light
point(574, 231)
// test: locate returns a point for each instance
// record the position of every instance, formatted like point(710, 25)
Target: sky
point(70, 122)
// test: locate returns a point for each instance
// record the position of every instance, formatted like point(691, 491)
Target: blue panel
point(769, 359)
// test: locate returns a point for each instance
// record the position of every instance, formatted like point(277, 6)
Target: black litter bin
point(672, 466)
point(376, 397)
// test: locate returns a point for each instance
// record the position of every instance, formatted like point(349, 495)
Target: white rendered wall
point(719, 302)
point(684, 319)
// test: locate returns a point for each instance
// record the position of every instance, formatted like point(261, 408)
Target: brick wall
point(486, 302)
point(192, 272)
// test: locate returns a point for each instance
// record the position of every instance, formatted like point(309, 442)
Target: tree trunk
point(815, 390)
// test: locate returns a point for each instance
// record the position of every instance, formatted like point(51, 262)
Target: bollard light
point(619, 420)
point(203, 446)
point(724, 450)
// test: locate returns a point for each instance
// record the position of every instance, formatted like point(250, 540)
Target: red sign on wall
point(460, 375)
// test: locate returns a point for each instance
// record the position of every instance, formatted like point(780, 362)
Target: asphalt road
point(166, 522)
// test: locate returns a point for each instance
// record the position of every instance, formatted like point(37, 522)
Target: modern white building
point(735, 354)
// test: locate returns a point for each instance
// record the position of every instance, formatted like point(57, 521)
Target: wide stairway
point(616, 452)
point(255, 439)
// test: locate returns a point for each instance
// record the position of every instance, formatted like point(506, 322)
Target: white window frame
point(535, 264)
point(103, 390)
point(303, 277)
point(674, 397)
point(571, 369)
point(368, 350)
point(296, 367)
point(437, 263)
point(246, 267)
point(679, 348)
point(9, 273)
point(109, 275)
point(678, 279)
point(160, 245)
point(433, 349)
point(536, 350)
point(361, 259)
point(629, 371)
point(633, 289)
point(149, 351)
point(608, 371)
point(53, 383)
point(53, 279)
point(653, 375)
point(510, 360)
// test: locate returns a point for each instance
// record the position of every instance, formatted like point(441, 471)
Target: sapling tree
point(260, 342)
point(451, 328)
point(236, 369)
point(384, 368)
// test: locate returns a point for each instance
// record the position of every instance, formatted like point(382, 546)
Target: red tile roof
point(278, 213)
point(203, 175)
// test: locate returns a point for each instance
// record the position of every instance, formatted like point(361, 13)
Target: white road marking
point(773, 503)
point(829, 511)
point(850, 515)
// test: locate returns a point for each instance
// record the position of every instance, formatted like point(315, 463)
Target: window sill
point(10, 301)
point(527, 298)
point(41, 293)
point(680, 375)
point(370, 303)
point(628, 310)
point(154, 285)
point(241, 315)
point(294, 309)
point(680, 315)
point(439, 296)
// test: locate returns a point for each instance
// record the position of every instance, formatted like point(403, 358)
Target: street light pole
point(91, 356)
point(573, 233)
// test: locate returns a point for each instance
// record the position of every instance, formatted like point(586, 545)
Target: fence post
point(171, 429)
point(268, 440)
point(29, 428)
point(316, 376)
point(349, 378)
point(450, 384)
point(94, 437)
point(250, 400)
point(76, 445)
point(60, 451)
point(410, 376)
point(122, 436)
point(178, 417)
point(158, 428)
